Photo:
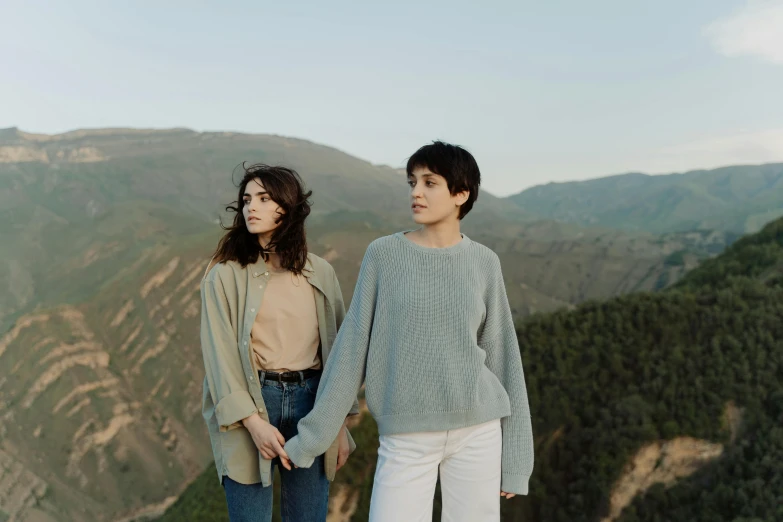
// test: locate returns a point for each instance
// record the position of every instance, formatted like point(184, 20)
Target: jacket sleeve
point(343, 374)
point(219, 346)
point(498, 338)
point(339, 314)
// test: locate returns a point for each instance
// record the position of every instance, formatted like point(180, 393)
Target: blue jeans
point(304, 491)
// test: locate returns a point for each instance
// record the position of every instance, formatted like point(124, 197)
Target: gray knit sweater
point(430, 333)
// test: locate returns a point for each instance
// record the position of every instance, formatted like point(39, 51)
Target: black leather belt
point(288, 376)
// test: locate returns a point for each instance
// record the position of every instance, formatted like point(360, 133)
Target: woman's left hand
point(343, 449)
point(507, 495)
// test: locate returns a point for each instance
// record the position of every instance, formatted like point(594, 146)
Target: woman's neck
point(437, 235)
point(273, 259)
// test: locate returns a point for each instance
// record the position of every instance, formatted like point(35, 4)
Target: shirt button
point(250, 378)
point(255, 274)
point(260, 286)
point(245, 343)
point(266, 273)
point(252, 309)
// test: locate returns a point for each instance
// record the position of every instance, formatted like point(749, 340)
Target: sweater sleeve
point(343, 372)
point(499, 339)
point(339, 315)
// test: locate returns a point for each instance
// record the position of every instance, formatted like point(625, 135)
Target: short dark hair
point(454, 163)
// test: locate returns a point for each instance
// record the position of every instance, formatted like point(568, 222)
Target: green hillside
point(106, 234)
point(737, 199)
point(91, 201)
point(688, 381)
point(102, 398)
point(108, 191)
point(116, 375)
point(611, 377)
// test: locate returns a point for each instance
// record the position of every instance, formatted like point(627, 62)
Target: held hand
point(267, 439)
point(343, 449)
point(507, 495)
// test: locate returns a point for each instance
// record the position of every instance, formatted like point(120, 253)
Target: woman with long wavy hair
point(270, 313)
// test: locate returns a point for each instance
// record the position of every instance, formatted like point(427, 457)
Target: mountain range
point(106, 234)
point(739, 199)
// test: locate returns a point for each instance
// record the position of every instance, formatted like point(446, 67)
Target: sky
point(537, 91)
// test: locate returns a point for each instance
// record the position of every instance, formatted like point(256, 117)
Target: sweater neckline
point(453, 249)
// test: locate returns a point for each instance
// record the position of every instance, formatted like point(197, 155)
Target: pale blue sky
point(538, 91)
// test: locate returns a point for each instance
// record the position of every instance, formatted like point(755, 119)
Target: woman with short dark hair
point(431, 335)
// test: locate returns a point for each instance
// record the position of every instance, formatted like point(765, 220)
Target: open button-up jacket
point(230, 299)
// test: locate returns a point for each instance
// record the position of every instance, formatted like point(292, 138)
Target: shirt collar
point(259, 269)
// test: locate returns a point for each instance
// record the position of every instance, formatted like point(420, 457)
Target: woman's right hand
point(267, 439)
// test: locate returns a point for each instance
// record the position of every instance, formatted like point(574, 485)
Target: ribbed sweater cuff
point(516, 484)
point(297, 455)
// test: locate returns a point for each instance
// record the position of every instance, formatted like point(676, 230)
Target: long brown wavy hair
point(289, 239)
